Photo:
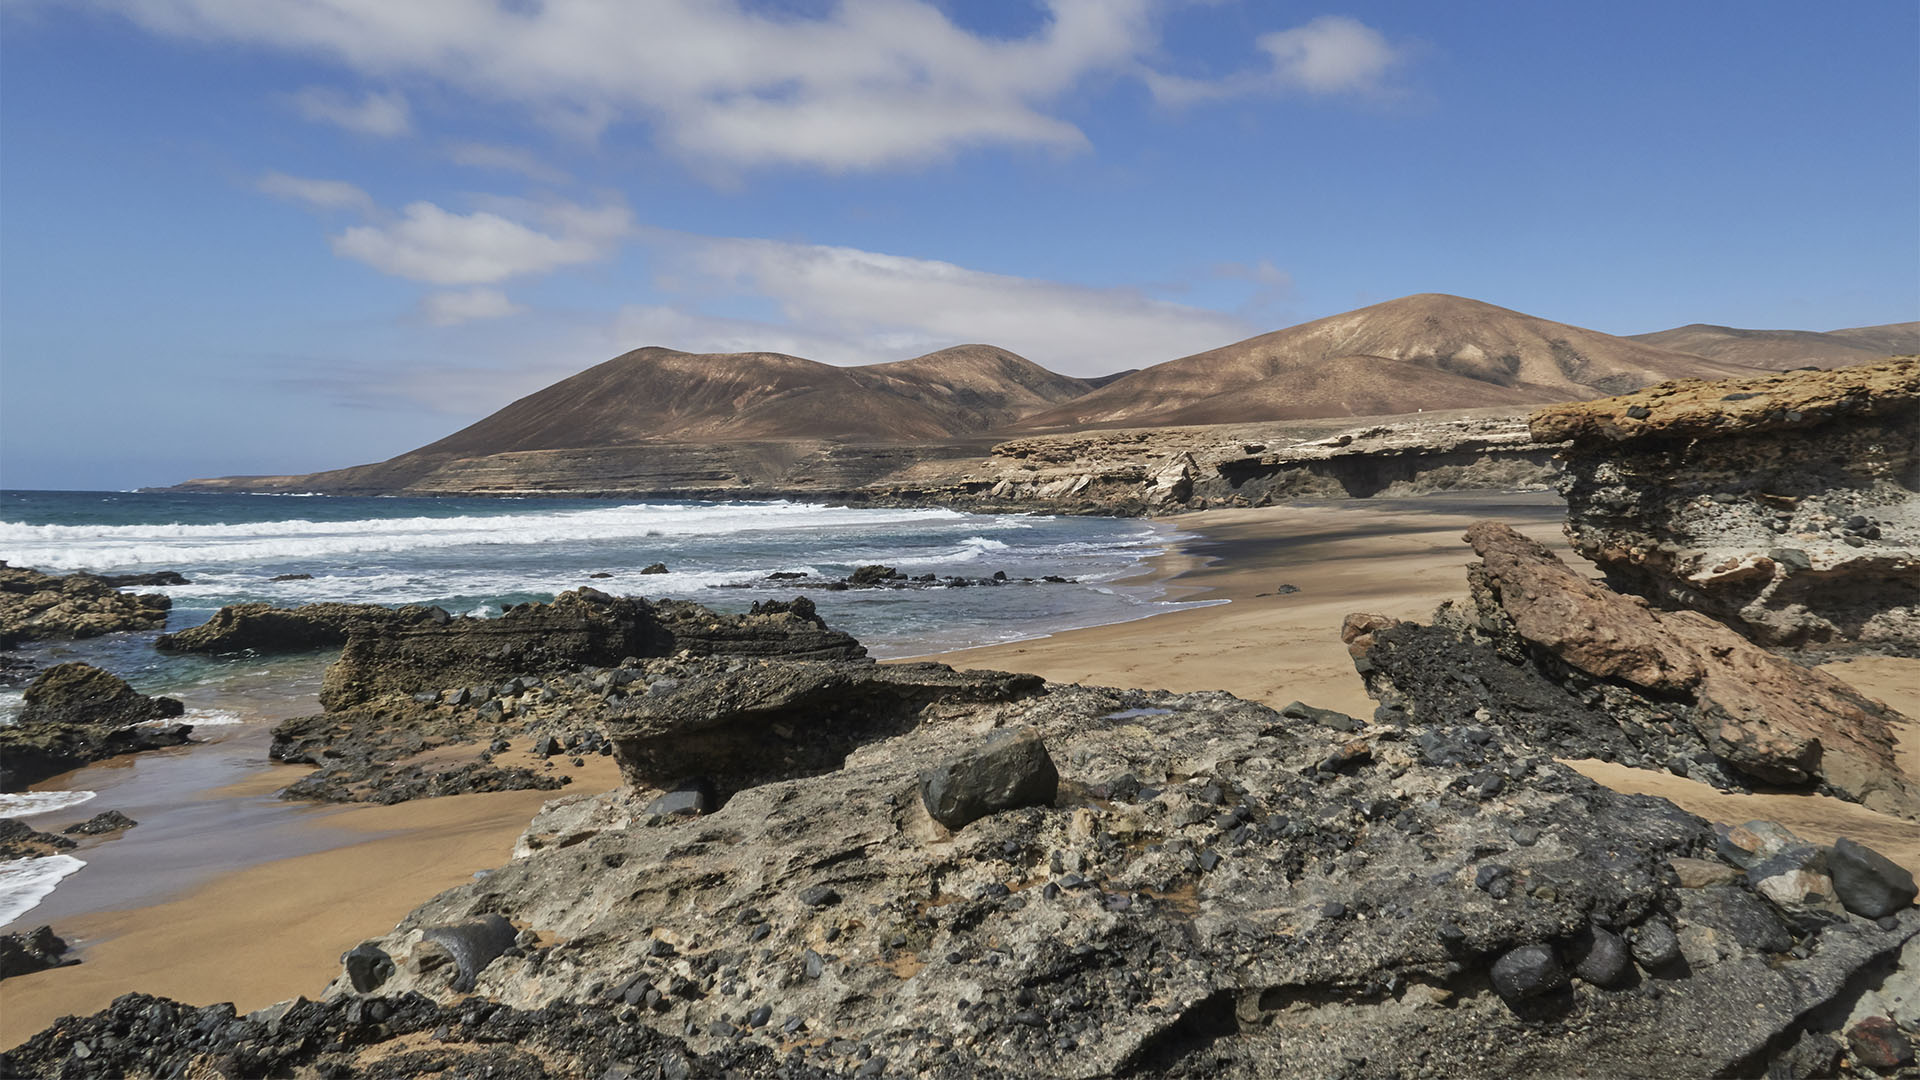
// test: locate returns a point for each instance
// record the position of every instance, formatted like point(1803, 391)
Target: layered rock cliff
point(1787, 505)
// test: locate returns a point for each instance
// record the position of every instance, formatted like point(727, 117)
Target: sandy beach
point(275, 930)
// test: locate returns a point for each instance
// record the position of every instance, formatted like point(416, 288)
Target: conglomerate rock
point(1583, 671)
point(1216, 890)
point(1786, 505)
point(36, 606)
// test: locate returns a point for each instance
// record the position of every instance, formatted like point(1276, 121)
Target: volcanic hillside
point(1424, 352)
point(1773, 350)
point(660, 394)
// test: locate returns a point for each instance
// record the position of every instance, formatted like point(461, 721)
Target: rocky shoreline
point(824, 866)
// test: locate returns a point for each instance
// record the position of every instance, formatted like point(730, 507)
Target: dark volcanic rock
point(462, 951)
point(33, 950)
point(777, 720)
point(581, 628)
point(36, 606)
point(19, 840)
point(1527, 972)
point(1786, 505)
point(1867, 882)
point(158, 577)
point(98, 716)
point(380, 1038)
point(264, 628)
point(1008, 771)
point(106, 821)
point(76, 693)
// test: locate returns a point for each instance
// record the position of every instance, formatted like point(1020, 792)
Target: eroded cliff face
point(1123, 472)
point(1787, 505)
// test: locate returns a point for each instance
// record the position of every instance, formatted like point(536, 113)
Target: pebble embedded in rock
point(1602, 958)
point(819, 896)
point(1655, 945)
point(1527, 972)
point(1878, 1043)
point(691, 799)
point(1009, 770)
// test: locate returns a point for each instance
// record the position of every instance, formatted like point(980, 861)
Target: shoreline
point(274, 930)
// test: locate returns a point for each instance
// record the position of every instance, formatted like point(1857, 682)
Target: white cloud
point(453, 308)
point(478, 155)
point(322, 194)
point(869, 83)
point(442, 247)
point(384, 115)
point(844, 305)
point(1332, 54)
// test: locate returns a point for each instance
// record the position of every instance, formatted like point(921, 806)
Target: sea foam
point(72, 547)
point(29, 803)
point(26, 882)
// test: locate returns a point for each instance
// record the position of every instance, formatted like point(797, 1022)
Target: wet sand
point(276, 930)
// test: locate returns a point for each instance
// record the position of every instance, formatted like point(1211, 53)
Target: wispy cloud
point(454, 308)
point(479, 155)
point(864, 84)
point(854, 306)
point(320, 194)
point(385, 115)
point(1330, 55)
point(444, 247)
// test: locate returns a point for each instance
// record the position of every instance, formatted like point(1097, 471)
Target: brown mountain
point(1429, 351)
point(1774, 350)
point(654, 394)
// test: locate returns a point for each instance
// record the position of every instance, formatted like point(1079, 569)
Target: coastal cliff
point(1787, 505)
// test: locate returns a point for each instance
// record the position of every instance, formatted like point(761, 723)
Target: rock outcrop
point(19, 840)
point(29, 951)
point(264, 628)
point(1215, 889)
point(1787, 506)
point(36, 607)
point(75, 693)
point(548, 677)
point(585, 627)
point(1583, 671)
point(75, 714)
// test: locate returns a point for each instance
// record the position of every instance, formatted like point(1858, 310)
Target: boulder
point(1009, 770)
point(1867, 882)
point(107, 821)
point(459, 953)
point(872, 576)
point(19, 840)
point(73, 714)
point(1602, 958)
point(76, 693)
point(41, 607)
point(34, 950)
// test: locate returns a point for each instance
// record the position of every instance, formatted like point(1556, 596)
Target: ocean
point(479, 556)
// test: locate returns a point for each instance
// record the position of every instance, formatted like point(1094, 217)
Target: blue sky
point(286, 235)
